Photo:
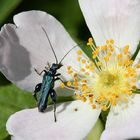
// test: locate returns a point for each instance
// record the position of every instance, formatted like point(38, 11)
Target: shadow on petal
point(14, 58)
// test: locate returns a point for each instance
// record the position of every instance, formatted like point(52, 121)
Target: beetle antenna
point(68, 52)
point(50, 45)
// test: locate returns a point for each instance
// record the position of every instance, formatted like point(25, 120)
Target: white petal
point(123, 123)
point(30, 124)
point(25, 46)
point(114, 19)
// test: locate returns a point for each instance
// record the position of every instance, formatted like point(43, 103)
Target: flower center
point(108, 79)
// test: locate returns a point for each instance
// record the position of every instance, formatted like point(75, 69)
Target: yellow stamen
point(112, 41)
point(90, 42)
point(69, 83)
point(62, 85)
point(83, 61)
point(125, 49)
point(79, 52)
point(108, 80)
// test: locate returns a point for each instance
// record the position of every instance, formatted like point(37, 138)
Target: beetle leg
point(40, 72)
point(54, 111)
point(58, 74)
point(35, 95)
point(37, 89)
point(56, 79)
point(53, 97)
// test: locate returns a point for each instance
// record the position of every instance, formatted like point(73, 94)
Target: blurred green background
point(13, 99)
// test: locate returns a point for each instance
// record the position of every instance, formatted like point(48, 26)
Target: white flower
point(24, 47)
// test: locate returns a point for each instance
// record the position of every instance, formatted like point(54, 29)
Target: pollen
point(107, 80)
point(62, 85)
point(90, 41)
point(125, 49)
point(138, 66)
point(69, 83)
point(112, 41)
point(79, 52)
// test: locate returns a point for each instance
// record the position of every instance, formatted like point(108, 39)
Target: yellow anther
point(106, 58)
point(90, 41)
point(75, 84)
point(112, 49)
point(109, 54)
point(70, 72)
point(138, 66)
point(134, 87)
point(100, 99)
point(133, 75)
point(130, 70)
point(94, 56)
point(62, 85)
point(84, 81)
point(120, 63)
point(113, 102)
point(87, 66)
point(84, 87)
point(68, 67)
point(99, 63)
point(92, 68)
point(83, 99)
point(104, 108)
point(69, 83)
point(103, 48)
point(75, 79)
point(79, 52)
point(82, 70)
point(134, 80)
point(128, 62)
point(85, 94)
point(95, 53)
point(83, 61)
point(78, 59)
point(93, 106)
point(112, 41)
point(75, 75)
point(119, 56)
point(90, 100)
point(129, 92)
point(126, 49)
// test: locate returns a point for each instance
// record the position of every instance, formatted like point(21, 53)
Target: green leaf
point(12, 100)
point(136, 52)
point(6, 7)
point(96, 132)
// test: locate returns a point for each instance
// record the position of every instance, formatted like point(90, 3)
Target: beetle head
point(56, 66)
